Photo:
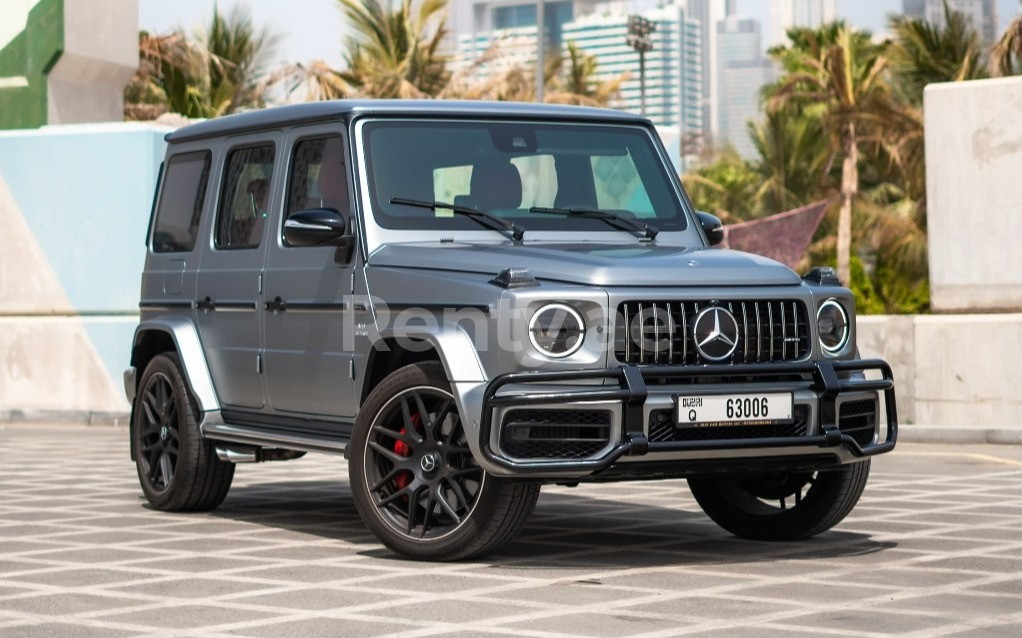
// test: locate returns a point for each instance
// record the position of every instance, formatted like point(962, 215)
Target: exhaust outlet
point(238, 454)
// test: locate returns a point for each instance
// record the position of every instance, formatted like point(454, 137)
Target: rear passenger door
point(308, 294)
point(230, 278)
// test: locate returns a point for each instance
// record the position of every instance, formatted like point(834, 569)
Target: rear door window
point(245, 200)
point(180, 209)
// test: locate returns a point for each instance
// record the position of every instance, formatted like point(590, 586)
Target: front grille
point(555, 434)
point(662, 428)
point(858, 420)
point(661, 332)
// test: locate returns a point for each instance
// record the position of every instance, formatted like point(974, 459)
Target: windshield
point(505, 168)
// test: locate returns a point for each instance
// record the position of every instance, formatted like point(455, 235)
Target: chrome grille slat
point(784, 333)
point(794, 322)
point(667, 340)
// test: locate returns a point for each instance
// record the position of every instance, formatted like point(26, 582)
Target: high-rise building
point(742, 72)
point(708, 13)
point(470, 18)
point(787, 14)
point(673, 67)
point(983, 13)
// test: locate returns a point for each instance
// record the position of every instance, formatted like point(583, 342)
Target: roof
point(345, 109)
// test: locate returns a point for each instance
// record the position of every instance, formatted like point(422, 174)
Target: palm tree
point(215, 73)
point(579, 81)
point(394, 50)
point(171, 77)
point(840, 73)
point(922, 52)
point(793, 165)
point(238, 53)
point(314, 81)
point(1006, 57)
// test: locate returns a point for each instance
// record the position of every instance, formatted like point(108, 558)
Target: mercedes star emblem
point(715, 333)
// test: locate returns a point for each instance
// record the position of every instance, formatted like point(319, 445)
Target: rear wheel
point(177, 468)
point(781, 506)
point(415, 482)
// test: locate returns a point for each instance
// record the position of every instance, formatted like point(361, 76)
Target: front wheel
point(415, 482)
point(781, 506)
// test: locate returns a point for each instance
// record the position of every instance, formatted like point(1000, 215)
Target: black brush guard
point(632, 393)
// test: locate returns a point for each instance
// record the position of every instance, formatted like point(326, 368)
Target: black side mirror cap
point(314, 227)
point(712, 226)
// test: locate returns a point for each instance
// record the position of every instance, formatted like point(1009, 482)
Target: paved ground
point(934, 548)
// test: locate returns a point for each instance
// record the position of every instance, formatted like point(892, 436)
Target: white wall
point(974, 194)
point(951, 370)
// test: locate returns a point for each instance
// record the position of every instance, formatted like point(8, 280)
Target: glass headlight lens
point(832, 323)
point(557, 330)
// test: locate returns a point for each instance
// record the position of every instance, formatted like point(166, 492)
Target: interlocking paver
point(933, 550)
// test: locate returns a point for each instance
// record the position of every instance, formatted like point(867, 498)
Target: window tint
point(180, 209)
point(244, 201)
point(318, 177)
point(506, 168)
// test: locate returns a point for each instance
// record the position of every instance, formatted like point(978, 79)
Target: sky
point(314, 29)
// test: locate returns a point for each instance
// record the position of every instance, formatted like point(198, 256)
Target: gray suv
point(471, 300)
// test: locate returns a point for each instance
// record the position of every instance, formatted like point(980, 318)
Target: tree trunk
point(849, 189)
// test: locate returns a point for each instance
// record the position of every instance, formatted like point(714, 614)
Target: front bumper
point(827, 382)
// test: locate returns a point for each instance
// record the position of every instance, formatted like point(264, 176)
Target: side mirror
point(712, 226)
point(314, 227)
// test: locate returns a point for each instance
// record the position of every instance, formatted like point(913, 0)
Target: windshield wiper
point(621, 223)
point(480, 217)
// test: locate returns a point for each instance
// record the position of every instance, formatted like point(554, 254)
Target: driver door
point(307, 293)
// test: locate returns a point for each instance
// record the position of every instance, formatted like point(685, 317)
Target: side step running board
point(272, 438)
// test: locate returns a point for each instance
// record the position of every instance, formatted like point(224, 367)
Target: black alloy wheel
point(782, 506)
point(159, 437)
point(177, 469)
point(421, 473)
point(416, 483)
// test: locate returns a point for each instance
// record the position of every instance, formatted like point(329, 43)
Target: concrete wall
point(951, 370)
point(974, 198)
point(74, 207)
point(65, 61)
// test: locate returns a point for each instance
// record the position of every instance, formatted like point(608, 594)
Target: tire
point(782, 506)
point(415, 482)
point(179, 470)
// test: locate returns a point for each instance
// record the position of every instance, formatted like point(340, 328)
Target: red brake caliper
point(402, 480)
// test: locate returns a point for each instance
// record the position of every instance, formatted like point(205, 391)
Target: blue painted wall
point(85, 192)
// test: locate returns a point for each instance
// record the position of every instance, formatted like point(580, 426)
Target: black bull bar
point(632, 392)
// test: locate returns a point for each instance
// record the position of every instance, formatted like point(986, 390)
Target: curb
point(959, 434)
point(65, 417)
point(909, 433)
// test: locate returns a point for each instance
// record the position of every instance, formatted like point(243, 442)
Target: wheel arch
point(153, 337)
point(451, 347)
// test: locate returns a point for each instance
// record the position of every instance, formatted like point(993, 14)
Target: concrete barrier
point(951, 371)
point(74, 208)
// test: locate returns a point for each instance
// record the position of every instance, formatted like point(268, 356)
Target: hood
point(597, 264)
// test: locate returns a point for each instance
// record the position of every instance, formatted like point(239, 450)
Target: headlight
point(832, 323)
point(557, 330)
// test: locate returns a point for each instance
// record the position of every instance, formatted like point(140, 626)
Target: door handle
point(205, 304)
point(277, 305)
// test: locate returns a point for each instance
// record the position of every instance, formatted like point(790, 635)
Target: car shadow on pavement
point(565, 531)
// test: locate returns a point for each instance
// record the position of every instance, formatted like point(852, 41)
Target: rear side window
point(180, 209)
point(245, 199)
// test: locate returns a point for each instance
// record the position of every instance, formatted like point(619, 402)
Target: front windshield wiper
point(621, 223)
point(480, 217)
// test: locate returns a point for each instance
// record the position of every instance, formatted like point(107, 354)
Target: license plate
point(714, 410)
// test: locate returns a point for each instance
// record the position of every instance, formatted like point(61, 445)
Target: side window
point(318, 177)
point(180, 208)
point(245, 197)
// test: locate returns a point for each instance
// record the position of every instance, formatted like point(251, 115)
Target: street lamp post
point(540, 45)
point(639, 31)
